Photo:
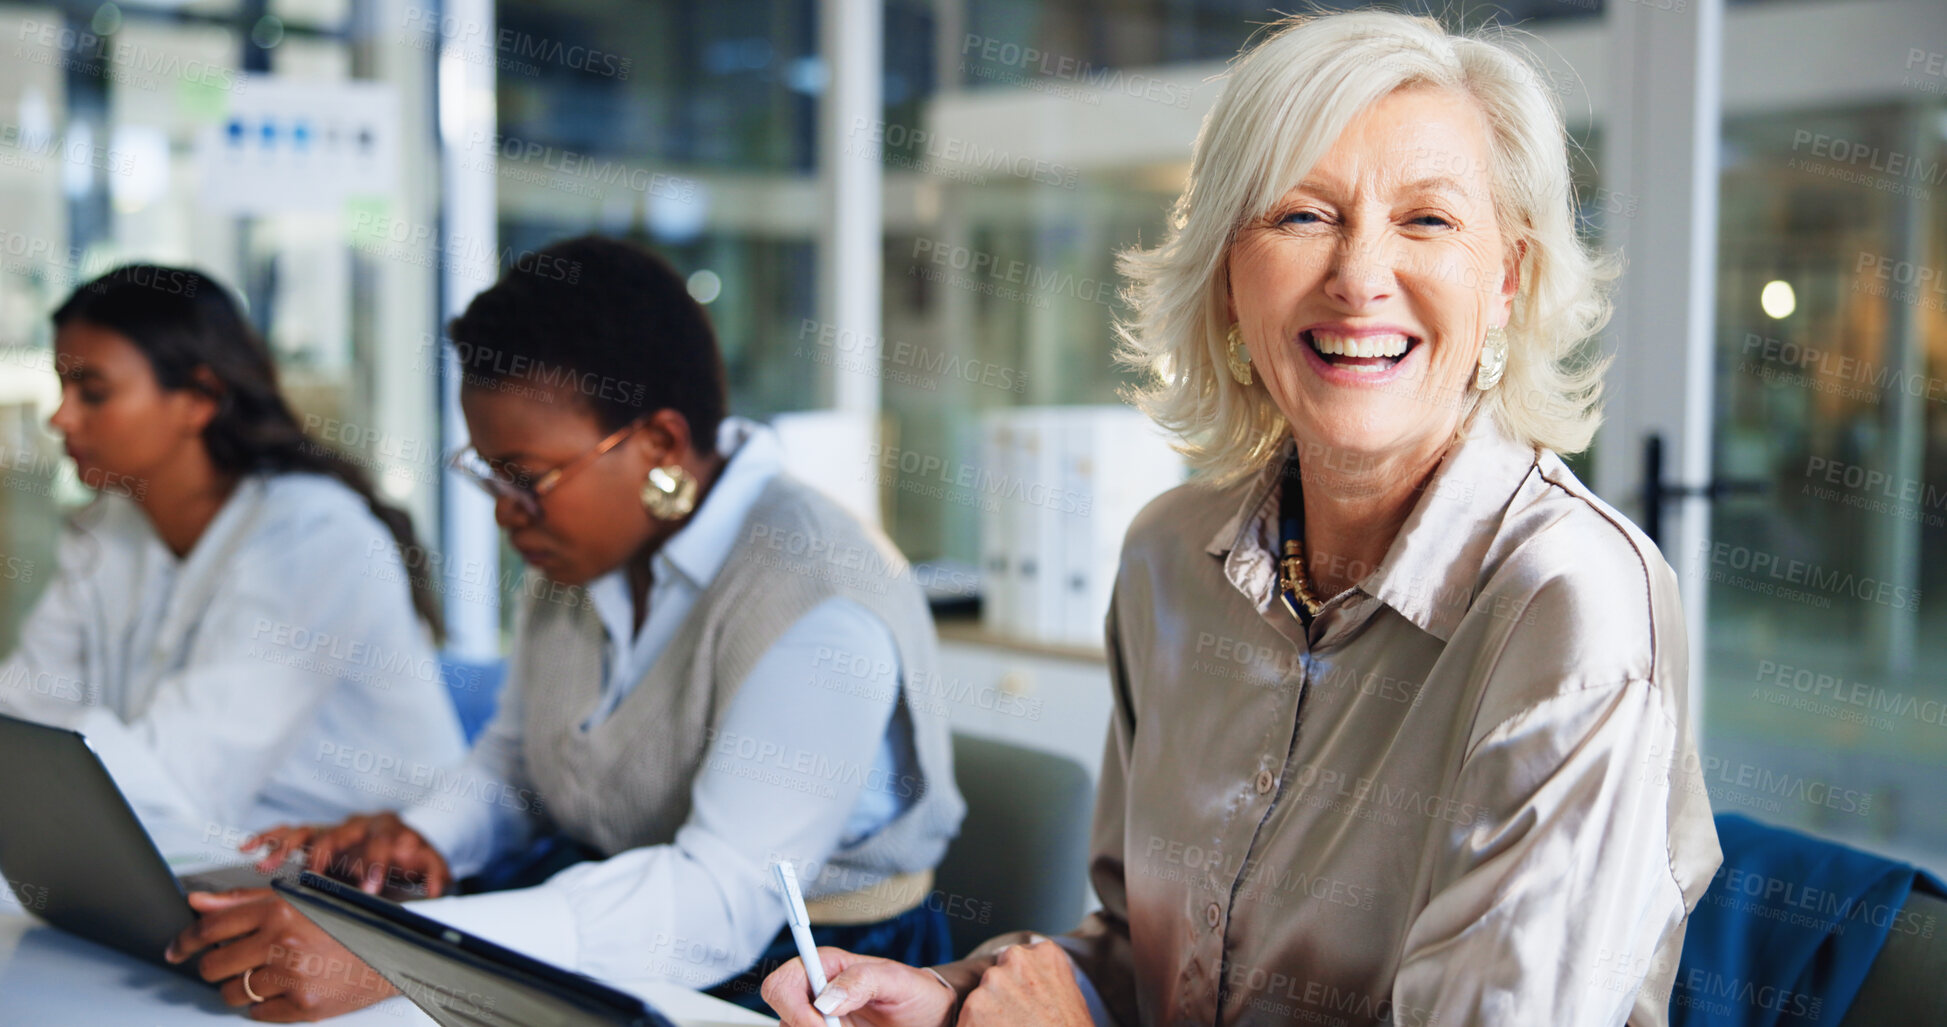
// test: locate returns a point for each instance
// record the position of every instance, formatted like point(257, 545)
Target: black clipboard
point(457, 979)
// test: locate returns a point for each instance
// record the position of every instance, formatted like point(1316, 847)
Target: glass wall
point(1077, 41)
point(690, 128)
point(960, 342)
point(1826, 623)
point(112, 121)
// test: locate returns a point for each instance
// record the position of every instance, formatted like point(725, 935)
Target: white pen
point(800, 921)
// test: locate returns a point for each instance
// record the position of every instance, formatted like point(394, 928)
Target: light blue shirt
point(709, 887)
point(685, 566)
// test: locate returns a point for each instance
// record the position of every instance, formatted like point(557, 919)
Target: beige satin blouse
point(1450, 802)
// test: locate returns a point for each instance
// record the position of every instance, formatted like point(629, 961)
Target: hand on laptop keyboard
point(377, 853)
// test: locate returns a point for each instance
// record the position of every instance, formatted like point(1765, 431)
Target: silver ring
point(254, 997)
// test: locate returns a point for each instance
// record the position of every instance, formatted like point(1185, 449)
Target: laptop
point(460, 980)
point(69, 839)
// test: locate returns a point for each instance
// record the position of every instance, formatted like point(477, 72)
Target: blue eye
point(1433, 219)
point(1293, 218)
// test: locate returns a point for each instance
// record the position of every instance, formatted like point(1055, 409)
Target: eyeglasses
point(527, 491)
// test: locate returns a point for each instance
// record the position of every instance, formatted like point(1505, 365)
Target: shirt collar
point(700, 547)
point(697, 551)
point(1430, 571)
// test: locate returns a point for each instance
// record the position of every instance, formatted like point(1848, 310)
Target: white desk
point(50, 978)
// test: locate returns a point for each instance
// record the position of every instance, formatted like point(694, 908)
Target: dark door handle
point(1658, 493)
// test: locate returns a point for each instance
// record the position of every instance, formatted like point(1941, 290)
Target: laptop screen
point(69, 839)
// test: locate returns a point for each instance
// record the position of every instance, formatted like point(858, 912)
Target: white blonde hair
point(1289, 97)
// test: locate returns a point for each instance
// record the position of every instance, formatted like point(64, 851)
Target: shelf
point(969, 631)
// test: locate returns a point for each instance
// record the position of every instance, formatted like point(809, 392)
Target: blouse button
point(1213, 915)
point(1264, 782)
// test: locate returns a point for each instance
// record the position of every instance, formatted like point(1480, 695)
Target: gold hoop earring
point(669, 493)
point(1494, 360)
point(1238, 357)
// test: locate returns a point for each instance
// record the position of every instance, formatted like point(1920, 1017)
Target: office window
point(103, 167)
point(1009, 42)
point(693, 131)
point(1831, 379)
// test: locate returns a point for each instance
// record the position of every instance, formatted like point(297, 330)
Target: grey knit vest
point(626, 782)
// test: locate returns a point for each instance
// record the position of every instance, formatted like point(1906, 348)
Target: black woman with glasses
point(719, 676)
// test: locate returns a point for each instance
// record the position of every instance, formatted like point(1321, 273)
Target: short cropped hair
point(605, 322)
point(1289, 97)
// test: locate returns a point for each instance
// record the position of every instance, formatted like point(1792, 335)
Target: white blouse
point(276, 673)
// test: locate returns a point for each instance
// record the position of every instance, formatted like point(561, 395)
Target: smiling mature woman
point(1397, 700)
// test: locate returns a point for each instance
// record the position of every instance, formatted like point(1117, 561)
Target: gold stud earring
point(1494, 359)
point(669, 493)
point(1238, 357)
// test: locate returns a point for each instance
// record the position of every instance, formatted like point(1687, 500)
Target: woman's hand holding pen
point(376, 852)
point(1031, 984)
point(865, 990)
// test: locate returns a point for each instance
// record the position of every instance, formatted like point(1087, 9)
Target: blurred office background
point(904, 214)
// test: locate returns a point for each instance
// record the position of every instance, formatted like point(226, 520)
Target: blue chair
point(1795, 930)
point(474, 687)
